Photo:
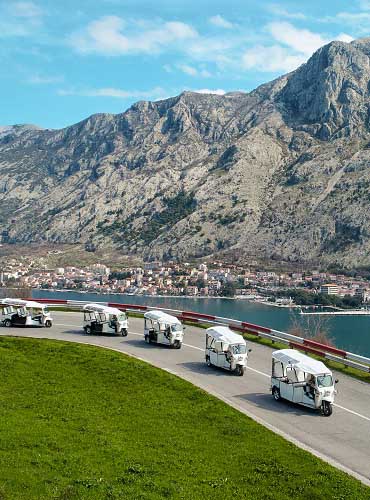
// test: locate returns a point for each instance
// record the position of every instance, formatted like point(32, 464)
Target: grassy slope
point(82, 422)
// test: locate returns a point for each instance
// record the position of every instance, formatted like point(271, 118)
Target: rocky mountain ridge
point(280, 173)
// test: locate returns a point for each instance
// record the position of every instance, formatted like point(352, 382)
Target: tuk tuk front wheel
point(176, 345)
point(326, 408)
point(276, 393)
point(124, 332)
point(48, 323)
point(147, 339)
point(239, 370)
point(87, 330)
point(7, 323)
point(208, 361)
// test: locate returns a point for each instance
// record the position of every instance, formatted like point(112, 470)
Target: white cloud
point(344, 37)
point(44, 80)
point(154, 93)
point(19, 19)
point(205, 73)
point(351, 18)
point(301, 40)
point(26, 9)
point(188, 70)
point(112, 36)
point(364, 4)
point(281, 12)
point(220, 22)
point(210, 91)
point(292, 48)
point(192, 71)
point(271, 59)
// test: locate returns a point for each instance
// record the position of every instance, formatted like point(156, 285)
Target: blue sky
point(64, 60)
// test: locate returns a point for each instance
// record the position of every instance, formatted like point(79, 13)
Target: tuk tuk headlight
point(327, 394)
point(240, 358)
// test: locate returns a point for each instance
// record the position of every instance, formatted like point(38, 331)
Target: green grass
point(82, 422)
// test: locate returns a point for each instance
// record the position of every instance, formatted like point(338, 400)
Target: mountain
point(279, 173)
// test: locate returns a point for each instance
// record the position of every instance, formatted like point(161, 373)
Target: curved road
point(342, 439)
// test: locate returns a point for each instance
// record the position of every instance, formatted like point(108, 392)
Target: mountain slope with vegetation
point(281, 172)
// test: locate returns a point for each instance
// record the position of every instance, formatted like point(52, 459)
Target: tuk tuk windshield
point(238, 348)
point(122, 317)
point(324, 381)
point(176, 328)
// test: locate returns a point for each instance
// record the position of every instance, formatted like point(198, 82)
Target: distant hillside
point(281, 172)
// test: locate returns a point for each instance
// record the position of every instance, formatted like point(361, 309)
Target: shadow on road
point(201, 367)
point(141, 343)
point(76, 332)
point(266, 401)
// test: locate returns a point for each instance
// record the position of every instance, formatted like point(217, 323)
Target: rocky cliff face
point(281, 173)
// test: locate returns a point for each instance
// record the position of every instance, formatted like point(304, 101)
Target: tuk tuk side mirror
point(249, 350)
point(336, 381)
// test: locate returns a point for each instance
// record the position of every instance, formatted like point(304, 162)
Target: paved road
point(342, 439)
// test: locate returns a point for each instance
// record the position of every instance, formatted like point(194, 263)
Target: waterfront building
point(330, 289)
point(363, 294)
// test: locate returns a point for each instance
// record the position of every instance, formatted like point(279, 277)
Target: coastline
point(82, 292)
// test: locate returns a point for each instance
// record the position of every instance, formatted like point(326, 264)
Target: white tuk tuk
point(162, 328)
point(99, 318)
point(226, 349)
point(303, 380)
point(18, 312)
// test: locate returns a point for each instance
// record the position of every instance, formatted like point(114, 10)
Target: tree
point(200, 283)
point(227, 289)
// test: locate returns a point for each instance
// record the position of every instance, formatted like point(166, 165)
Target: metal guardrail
point(309, 346)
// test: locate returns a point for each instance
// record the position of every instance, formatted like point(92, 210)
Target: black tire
point(88, 330)
point(7, 323)
point(276, 393)
point(326, 408)
point(176, 345)
point(239, 370)
point(124, 332)
point(147, 339)
point(48, 323)
point(208, 361)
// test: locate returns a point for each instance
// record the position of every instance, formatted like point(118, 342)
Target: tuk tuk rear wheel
point(276, 393)
point(326, 408)
point(7, 323)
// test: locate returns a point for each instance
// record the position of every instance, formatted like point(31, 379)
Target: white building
point(329, 289)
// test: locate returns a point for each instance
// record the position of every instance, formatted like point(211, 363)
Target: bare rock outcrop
point(281, 172)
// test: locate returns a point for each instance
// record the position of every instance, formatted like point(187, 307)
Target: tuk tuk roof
point(300, 361)
point(224, 334)
point(22, 303)
point(102, 309)
point(162, 317)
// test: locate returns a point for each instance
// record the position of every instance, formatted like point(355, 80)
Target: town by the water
point(211, 279)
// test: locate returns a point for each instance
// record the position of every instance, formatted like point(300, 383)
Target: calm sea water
point(347, 332)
